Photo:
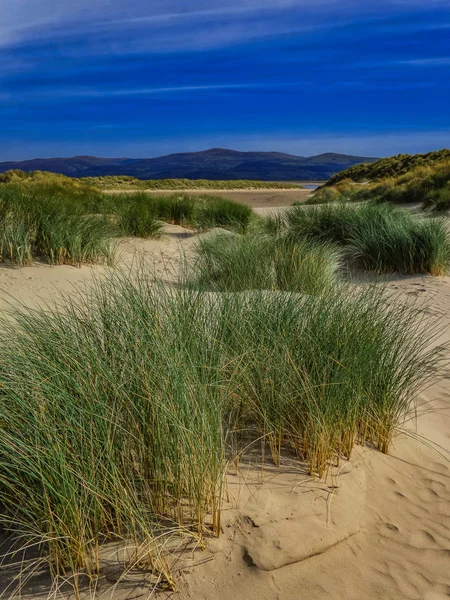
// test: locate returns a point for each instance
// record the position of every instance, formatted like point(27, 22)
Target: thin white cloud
point(25, 19)
point(56, 94)
point(427, 62)
point(70, 92)
point(102, 22)
point(192, 15)
point(167, 90)
point(111, 33)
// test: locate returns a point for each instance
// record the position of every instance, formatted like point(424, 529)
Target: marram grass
point(117, 410)
point(379, 238)
point(403, 179)
point(63, 222)
point(227, 262)
point(127, 182)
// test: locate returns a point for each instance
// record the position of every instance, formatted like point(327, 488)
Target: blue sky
point(143, 78)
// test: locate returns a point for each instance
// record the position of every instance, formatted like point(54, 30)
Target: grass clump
point(74, 239)
point(139, 211)
point(135, 215)
point(305, 267)
point(118, 410)
point(177, 209)
point(49, 224)
point(233, 262)
point(378, 238)
point(418, 246)
point(228, 262)
point(15, 241)
point(123, 428)
point(322, 371)
point(326, 223)
point(221, 212)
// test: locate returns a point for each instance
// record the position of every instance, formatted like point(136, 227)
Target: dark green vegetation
point(119, 413)
point(213, 164)
point(65, 222)
point(422, 179)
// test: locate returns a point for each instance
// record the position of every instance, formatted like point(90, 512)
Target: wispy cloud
point(55, 95)
point(150, 91)
point(427, 62)
point(164, 25)
point(240, 10)
point(31, 19)
point(162, 33)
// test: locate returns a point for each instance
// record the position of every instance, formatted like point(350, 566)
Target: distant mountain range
point(216, 163)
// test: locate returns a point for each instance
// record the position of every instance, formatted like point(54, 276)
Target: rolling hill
point(216, 163)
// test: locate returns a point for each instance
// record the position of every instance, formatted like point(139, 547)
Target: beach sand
point(377, 528)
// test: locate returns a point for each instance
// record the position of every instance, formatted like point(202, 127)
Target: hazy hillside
point(393, 166)
point(76, 166)
point(216, 163)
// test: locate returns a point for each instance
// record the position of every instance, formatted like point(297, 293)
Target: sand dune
point(377, 528)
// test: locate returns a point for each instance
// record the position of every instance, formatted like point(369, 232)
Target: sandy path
point(378, 529)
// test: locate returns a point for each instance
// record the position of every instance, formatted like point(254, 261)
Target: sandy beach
point(377, 527)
